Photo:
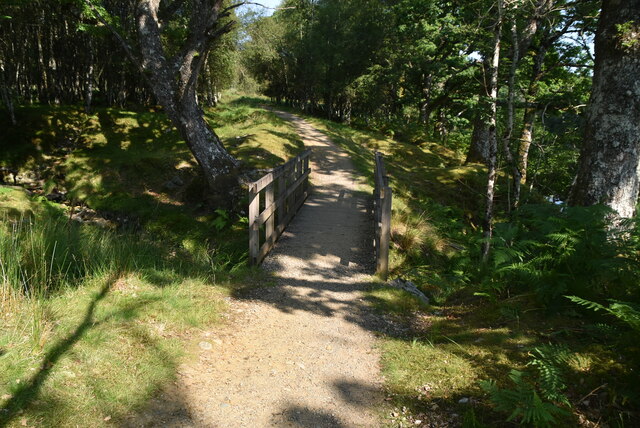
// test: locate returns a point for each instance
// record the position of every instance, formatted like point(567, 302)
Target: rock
point(409, 287)
point(56, 196)
point(174, 183)
point(464, 400)
point(206, 346)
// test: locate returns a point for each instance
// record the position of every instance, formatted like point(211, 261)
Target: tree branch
point(237, 5)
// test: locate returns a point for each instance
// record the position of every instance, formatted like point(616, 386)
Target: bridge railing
point(285, 189)
point(382, 197)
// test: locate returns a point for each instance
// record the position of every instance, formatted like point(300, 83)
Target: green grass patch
point(100, 352)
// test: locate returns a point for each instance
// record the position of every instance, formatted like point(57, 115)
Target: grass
point(95, 317)
point(98, 353)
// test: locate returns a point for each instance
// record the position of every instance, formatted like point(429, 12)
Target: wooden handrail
point(292, 182)
point(382, 198)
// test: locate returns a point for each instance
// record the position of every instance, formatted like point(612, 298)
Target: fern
point(554, 251)
point(549, 362)
point(626, 312)
point(537, 392)
point(522, 402)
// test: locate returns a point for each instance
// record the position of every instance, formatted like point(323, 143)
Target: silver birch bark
point(487, 226)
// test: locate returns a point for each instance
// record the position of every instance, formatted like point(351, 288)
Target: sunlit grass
point(64, 366)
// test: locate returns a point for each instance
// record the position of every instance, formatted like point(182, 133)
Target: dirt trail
point(299, 354)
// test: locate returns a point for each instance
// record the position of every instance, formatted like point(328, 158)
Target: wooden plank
point(265, 180)
point(269, 229)
point(385, 234)
point(298, 192)
point(277, 172)
point(254, 226)
point(271, 209)
point(282, 189)
point(306, 168)
point(292, 182)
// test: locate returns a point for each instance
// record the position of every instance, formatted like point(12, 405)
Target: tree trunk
point(528, 119)
point(88, 90)
point(479, 147)
point(6, 95)
point(487, 226)
point(506, 139)
point(425, 110)
point(174, 85)
point(609, 166)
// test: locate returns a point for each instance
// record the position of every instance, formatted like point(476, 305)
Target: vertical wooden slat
point(287, 200)
point(299, 172)
point(282, 188)
point(385, 233)
point(269, 227)
point(382, 196)
point(304, 170)
point(254, 227)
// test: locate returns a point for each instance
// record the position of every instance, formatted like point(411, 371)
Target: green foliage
point(222, 220)
point(549, 363)
point(522, 402)
point(628, 35)
point(537, 392)
point(554, 250)
point(39, 257)
point(627, 312)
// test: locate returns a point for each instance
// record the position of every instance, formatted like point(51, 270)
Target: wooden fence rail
point(268, 216)
point(382, 196)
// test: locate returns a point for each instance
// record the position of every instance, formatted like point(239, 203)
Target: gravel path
point(300, 354)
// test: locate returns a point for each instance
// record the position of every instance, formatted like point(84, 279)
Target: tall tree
point(492, 102)
point(172, 72)
point(609, 166)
